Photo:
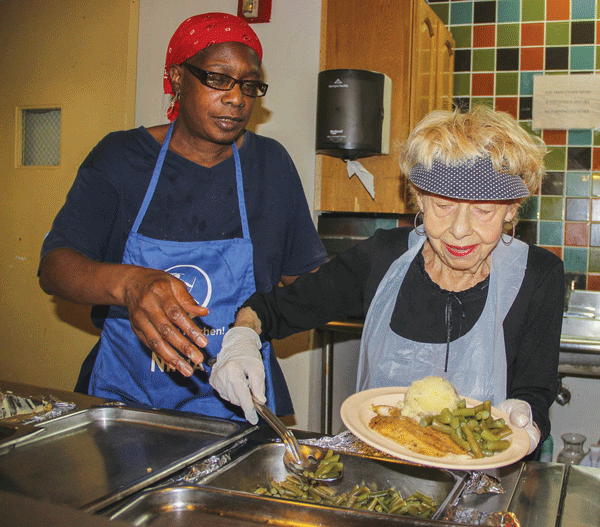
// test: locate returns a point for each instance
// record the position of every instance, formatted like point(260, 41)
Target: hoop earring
point(420, 233)
point(512, 236)
point(171, 107)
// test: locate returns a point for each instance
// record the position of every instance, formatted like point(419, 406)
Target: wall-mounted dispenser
point(353, 113)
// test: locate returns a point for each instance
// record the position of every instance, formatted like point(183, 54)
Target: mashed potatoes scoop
point(429, 396)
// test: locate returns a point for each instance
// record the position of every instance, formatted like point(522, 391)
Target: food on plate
point(409, 433)
point(429, 396)
point(360, 497)
point(431, 429)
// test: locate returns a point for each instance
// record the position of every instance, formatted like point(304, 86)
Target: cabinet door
point(424, 63)
point(445, 69)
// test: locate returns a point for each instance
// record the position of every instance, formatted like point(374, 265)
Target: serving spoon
point(302, 460)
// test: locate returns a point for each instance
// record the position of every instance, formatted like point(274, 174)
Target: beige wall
point(79, 56)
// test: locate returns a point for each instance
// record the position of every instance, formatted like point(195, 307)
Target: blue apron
point(219, 275)
point(477, 363)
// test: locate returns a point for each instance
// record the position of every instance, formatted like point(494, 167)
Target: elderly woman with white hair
point(457, 296)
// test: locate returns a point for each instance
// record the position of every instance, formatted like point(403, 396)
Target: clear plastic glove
point(520, 416)
point(239, 372)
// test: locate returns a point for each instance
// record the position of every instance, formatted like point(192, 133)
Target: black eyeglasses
point(222, 82)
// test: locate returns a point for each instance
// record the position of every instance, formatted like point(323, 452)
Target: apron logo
point(196, 280)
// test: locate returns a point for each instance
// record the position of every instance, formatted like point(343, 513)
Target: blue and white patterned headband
point(472, 181)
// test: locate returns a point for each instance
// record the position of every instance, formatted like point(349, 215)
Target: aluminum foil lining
point(207, 466)
point(17, 409)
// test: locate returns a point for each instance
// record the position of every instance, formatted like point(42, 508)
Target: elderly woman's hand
point(239, 373)
point(161, 311)
point(520, 416)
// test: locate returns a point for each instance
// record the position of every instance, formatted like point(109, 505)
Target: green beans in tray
point(360, 497)
point(473, 429)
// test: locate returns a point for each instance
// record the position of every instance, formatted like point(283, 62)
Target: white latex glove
point(239, 371)
point(520, 416)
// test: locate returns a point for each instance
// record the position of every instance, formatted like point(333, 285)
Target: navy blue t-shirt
point(191, 203)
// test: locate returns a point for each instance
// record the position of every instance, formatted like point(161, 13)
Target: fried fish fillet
point(410, 434)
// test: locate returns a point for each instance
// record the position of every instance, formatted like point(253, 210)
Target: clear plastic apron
point(477, 360)
point(219, 275)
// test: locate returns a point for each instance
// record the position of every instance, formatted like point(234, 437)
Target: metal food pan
point(95, 457)
point(207, 506)
point(246, 473)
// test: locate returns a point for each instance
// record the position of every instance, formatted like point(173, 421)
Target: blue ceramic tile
point(526, 82)
point(577, 209)
point(582, 9)
point(461, 13)
point(551, 233)
point(580, 138)
point(578, 184)
point(582, 57)
point(509, 11)
point(575, 259)
point(595, 234)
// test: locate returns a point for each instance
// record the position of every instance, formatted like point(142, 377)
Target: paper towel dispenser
point(353, 113)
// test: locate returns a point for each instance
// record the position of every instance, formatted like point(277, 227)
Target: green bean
point(475, 449)
point(462, 443)
point(505, 432)
point(497, 446)
point(464, 412)
point(426, 421)
point(446, 429)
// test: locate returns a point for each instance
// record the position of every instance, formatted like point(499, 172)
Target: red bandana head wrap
point(199, 32)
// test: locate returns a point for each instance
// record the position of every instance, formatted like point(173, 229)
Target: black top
point(345, 286)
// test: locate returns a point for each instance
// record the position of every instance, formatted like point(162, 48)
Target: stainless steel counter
point(539, 494)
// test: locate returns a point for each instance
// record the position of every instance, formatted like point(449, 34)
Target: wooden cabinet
point(407, 41)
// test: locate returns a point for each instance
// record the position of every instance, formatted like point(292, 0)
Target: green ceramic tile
point(507, 35)
point(533, 10)
point(530, 208)
point(483, 59)
point(462, 36)
point(575, 260)
point(594, 266)
point(507, 83)
point(578, 184)
point(556, 158)
point(551, 232)
point(462, 84)
point(598, 57)
point(482, 101)
point(595, 184)
point(441, 10)
point(596, 138)
point(557, 34)
point(580, 138)
point(551, 208)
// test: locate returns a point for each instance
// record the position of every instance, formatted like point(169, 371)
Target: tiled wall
point(500, 46)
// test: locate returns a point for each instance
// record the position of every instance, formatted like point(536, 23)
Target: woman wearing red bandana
point(167, 229)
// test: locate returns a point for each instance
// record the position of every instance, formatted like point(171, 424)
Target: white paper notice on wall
point(566, 102)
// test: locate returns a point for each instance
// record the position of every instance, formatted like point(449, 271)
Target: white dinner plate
point(356, 413)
